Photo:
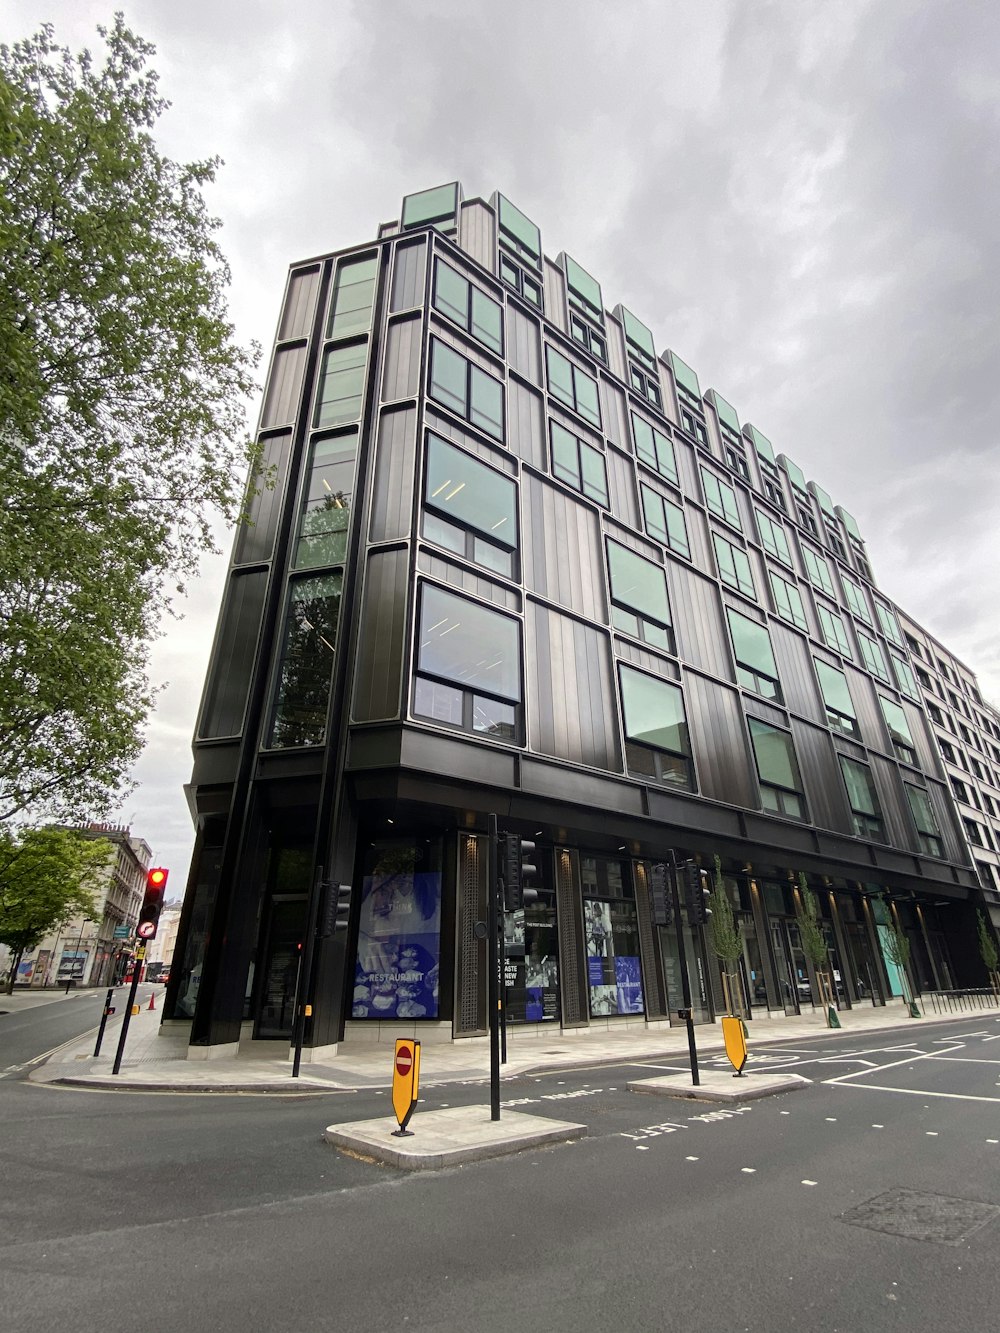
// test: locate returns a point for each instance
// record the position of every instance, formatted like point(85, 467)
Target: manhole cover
point(922, 1216)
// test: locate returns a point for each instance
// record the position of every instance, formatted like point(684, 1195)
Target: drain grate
point(917, 1216)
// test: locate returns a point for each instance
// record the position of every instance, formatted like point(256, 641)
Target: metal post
point(502, 971)
point(137, 961)
point(493, 994)
point(685, 982)
point(104, 1020)
point(305, 971)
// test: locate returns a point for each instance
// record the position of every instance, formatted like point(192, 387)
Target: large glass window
point(772, 537)
point(856, 598)
point(572, 386)
point(890, 627)
point(840, 712)
point(584, 291)
point(305, 668)
point(755, 667)
point(777, 770)
point(326, 503)
point(656, 734)
point(639, 339)
point(720, 498)
point(665, 522)
point(899, 730)
point(469, 508)
point(614, 972)
point(436, 207)
point(353, 294)
point(467, 306)
point(639, 597)
point(468, 665)
point(788, 601)
point(871, 651)
point(518, 231)
point(467, 390)
point(928, 833)
point(654, 448)
point(516, 278)
point(579, 464)
point(863, 799)
point(904, 676)
point(834, 631)
point(341, 385)
point(817, 569)
point(734, 567)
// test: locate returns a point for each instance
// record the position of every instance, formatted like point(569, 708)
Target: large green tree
point(47, 877)
point(122, 410)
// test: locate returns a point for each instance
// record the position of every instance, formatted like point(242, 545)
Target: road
point(868, 1201)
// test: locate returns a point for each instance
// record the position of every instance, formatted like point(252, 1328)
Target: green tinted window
point(436, 206)
point(834, 632)
point(904, 676)
point(734, 567)
point(485, 402)
point(788, 601)
point(923, 815)
point(726, 411)
point(572, 386)
point(825, 503)
point(871, 651)
point(468, 492)
point(654, 448)
point(353, 293)
point(467, 390)
point(639, 338)
point(584, 291)
point(887, 619)
point(772, 537)
point(519, 231)
point(895, 720)
point(467, 306)
point(860, 787)
point(795, 474)
point(579, 465)
point(341, 385)
point(818, 570)
point(775, 755)
point(326, 505)
point(637, 583)
point(721, 498)
point(855, 598)
point(665, 522)
point(840, 712)
point(468, 644)
point(654, 712)
point(761, 443)
point(849, 523)
point(755, 666)
point(684, 375)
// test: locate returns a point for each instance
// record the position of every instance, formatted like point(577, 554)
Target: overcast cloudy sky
point(800, 197)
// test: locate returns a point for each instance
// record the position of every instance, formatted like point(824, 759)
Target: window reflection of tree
point(307, 663)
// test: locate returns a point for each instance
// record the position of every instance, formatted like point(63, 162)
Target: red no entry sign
point(404, 1060)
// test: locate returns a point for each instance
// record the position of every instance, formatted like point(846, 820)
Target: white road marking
point(995, 1037)
point(748, 1170)
point(912, 1092)
point(931, 1133)
point(641, 1147)
point(861, 1073)
point(695, 1159)
point(832, 1119)
point(784, 1113)
point(878, 1126)
point(810, 1182)
point(993, 1140)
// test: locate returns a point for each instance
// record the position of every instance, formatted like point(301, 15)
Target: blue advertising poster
point(399, 946)
point(628, 980)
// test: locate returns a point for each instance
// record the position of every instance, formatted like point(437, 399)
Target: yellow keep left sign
point(405, 1082)
point(734, 1035)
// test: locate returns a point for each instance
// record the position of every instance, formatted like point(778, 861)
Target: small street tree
point(813, 940)
point(897, 946)
point(988, 952)
point(47, 877)
point(725, 933)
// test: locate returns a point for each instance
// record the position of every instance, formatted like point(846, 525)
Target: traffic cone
point(152, 1000)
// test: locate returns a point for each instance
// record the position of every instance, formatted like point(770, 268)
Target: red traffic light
point(152, 903)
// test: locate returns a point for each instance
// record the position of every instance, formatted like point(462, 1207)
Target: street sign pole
point(685, 981)
point(137, 962)
point(108, 1009)
point(493, 993)
point(302, 979)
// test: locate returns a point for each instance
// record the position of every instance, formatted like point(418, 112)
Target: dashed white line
point(695, 1159)
point(832, 1119)
point(993, 1140)
point(748, 1170)
point(931, 1133)
point(809, 1182)
point(641, 1147)
point(878, 1126)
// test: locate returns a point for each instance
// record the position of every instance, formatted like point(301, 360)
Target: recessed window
point(772, 537)
point(656, 734)
point(837, 697)
point(904, 677)
point(855, 596)
point(353, 294)
point(647, 385)
point(736, 459)
point(863, 799)
point(590, 340)
point(818, 570)
point(463, 303)
point(890, 626)
point(788, 601)
point(834, 542)
point(341, 385)
point(305, 666)
point(473, 652)
point(899, 730)
point(579, 464)
point(734, 567)
point(928, 833)
point(572, 386)
point(694, 425)
point(459, 385)
point(974, 832)
point(326, 504)
point(665, 522)
point(654, 448)
point(755, 666)
point(639, 597)
point(521, 282)
point(469, 508)
point(871, 651)
point(777, 770)
point(772, 489)
point(720, 498)
point(834, 632)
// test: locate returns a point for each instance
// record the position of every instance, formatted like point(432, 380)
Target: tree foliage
point(47, 876)
point(810, 930)
point(724, 931)
point(987, 944)
point(122, 409)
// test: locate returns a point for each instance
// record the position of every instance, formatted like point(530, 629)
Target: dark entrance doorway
point(285, 931)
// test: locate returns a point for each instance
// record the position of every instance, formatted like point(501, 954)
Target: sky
point(800, 198)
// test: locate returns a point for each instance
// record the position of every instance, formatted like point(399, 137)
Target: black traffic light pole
point(493, 964)
point(302, 980)
point(137, 962)
point(685, 982)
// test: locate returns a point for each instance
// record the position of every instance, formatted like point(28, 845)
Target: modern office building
point(513, 559)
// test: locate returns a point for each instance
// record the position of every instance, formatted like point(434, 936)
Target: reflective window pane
point(468, 644)
point(306, 664)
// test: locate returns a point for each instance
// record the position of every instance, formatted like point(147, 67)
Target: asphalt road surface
point(869, 1201)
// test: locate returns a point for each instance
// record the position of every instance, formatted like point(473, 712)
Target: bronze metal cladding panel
point(470, 953)
point(715, 719)
point(891, 796)
point(524, 344)
point(865, 699)
point(401, 372)
point(467, 580)
point(381, 636)
point(300, 305)
point(653, 990)
point(954, 844)
point(572, 707)
point(795, 671)
point(621, 484)
point(281, 401)
point(561, 549)
point(821, 777)
point(408, 275)
point(919, 730)
point(525, 425)
point(702, 639)
point(572, 959)
point(477, 233)
point(395, 460)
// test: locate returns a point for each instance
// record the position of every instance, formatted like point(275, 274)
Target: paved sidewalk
point(155, 1057)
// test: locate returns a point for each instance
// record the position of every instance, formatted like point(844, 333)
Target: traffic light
point(696, 896)
point(152, 903)
point(659, 893)
point(335, 910)
point(518, 867)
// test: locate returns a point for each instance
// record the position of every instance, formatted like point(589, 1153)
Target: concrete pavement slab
point(719, 1086)
point(450, 1137)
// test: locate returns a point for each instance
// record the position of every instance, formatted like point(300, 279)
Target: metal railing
point(960, 1001)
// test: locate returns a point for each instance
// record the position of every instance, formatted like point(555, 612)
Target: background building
point(516, 560)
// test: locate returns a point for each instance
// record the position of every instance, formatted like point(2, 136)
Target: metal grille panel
point(470, 960)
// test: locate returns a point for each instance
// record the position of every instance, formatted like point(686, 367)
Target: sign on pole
point(405, 1083)
point(735, 1037)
